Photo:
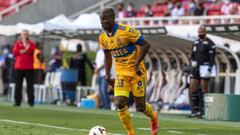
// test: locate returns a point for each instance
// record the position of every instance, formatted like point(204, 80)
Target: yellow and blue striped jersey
point(123, 44)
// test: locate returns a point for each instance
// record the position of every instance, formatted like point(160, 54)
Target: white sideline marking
point(147, 129)
point(49, 126)
point(175, 132)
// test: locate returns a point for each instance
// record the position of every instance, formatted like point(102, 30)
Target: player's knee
point(120, 104)
point(141, 107)
point(192, 88)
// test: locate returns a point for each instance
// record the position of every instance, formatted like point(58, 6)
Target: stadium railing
point(228, 74)
point(188, 20)
point(14, 7)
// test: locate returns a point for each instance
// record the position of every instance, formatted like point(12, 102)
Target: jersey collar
point(115, 27)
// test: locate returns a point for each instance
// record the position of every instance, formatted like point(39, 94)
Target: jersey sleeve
point(101, 42)
point(134, 36)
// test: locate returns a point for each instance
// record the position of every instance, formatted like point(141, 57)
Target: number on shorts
point(120, 83)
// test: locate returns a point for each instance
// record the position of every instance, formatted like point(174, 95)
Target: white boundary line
point(49, 126)
point(147, 129)
point(175, 132)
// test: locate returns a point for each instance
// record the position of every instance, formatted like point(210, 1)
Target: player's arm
point(108, 66)
point(107, 60)
point(135, 37)
point(145, 46)
point(194, 63)
point(16, 49)
point(212, 52)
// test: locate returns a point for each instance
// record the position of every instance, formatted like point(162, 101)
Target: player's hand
point(111, 81)
point(194, 64)
point(96, 71)
point(23, 51)
point(137, 70)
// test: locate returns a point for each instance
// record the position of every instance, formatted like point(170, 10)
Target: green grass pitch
point(55, 120)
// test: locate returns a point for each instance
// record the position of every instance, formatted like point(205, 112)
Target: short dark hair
point(202, 27)
point(109, 11)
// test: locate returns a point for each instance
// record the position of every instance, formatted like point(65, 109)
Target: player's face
point(202, 32)
point(24, 35)
point(107, 22)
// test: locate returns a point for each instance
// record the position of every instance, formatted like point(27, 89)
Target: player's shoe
point(154, 124)
point(194, 115)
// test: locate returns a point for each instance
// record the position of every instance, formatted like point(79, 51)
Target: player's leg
point(142, 105)
point(194, 97)
point(30, 90)
point(103, 90)
point(18, 87)
point(121, 93)
point(204, 86)
point(193, 90)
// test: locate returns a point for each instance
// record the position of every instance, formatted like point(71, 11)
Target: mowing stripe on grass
point(49, 126)
point(175, 132)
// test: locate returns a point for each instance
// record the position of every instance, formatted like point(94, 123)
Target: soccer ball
point(98, 130)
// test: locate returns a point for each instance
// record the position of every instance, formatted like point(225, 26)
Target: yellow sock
point(149, 111)
point(125, 118)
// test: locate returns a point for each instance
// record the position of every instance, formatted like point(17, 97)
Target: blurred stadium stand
point(43, 10)
point(8, 7)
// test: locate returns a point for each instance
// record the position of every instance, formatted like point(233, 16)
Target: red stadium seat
point(214, 9)
point(142, 8)
point(217, 6)
point(214, 12)
point(185, 6)
point(159, 10)
point(7, 3)
point(140, 14)
point(158, 14)
point(2, 8)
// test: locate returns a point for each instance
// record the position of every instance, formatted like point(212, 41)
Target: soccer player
point(128, 48)
point(203, 53)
